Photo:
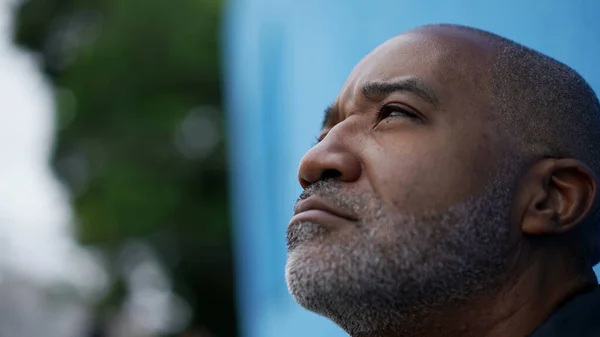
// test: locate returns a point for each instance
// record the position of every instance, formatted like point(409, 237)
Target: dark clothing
point(578, 317)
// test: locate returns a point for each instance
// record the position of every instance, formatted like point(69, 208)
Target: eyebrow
point(375, 90)
point(331, 112)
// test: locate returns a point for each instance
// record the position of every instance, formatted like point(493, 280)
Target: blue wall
point(286, 60)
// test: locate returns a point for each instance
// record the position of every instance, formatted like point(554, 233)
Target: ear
point(557, 195)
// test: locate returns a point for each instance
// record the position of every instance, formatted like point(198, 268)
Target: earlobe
point(562, 194)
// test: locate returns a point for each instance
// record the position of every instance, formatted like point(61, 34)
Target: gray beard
point(391, 271)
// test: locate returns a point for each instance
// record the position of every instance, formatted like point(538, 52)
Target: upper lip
point(316, 203)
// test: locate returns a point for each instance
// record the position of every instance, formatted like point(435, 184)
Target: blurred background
point(149, 150)
point(114, 213)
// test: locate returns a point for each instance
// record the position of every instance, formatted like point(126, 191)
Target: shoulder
point(579, 317)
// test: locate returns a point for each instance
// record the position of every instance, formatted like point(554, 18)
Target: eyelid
point(400, 106)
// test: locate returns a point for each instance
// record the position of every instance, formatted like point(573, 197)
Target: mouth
point(317, 210)
point(314, 217)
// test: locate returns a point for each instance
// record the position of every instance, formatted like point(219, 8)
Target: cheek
point(428, 175)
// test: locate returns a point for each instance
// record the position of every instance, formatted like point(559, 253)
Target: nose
point(329, 159)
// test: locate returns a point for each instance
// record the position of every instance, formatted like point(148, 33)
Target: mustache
point(320, 188)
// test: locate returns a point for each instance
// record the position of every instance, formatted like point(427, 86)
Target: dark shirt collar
point(578, 317)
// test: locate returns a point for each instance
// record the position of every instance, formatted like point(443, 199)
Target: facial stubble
point(392, 268)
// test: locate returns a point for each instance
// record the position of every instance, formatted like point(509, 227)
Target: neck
point(515, 310)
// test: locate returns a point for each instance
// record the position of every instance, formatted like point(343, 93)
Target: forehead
point(453, 64)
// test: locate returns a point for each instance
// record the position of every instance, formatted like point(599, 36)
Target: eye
point(395, 110)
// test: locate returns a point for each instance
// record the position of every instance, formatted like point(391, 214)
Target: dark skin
point(415, 113)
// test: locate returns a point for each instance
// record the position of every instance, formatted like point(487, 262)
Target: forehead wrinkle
point(460, 76)
point(347, 100)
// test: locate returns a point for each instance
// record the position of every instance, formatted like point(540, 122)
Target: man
point(453, 192)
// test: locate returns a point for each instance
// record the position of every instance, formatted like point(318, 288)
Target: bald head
point(545, 106)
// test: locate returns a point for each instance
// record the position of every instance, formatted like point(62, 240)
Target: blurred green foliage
point(140, 141)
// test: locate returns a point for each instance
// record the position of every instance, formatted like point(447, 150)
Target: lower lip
point(318, 216)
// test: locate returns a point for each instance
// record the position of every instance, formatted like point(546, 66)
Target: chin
point(310, 277)
point(337, 285)
point(347, 304)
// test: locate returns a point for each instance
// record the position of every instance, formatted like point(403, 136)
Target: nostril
point(305, 183)
point(330, 174)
